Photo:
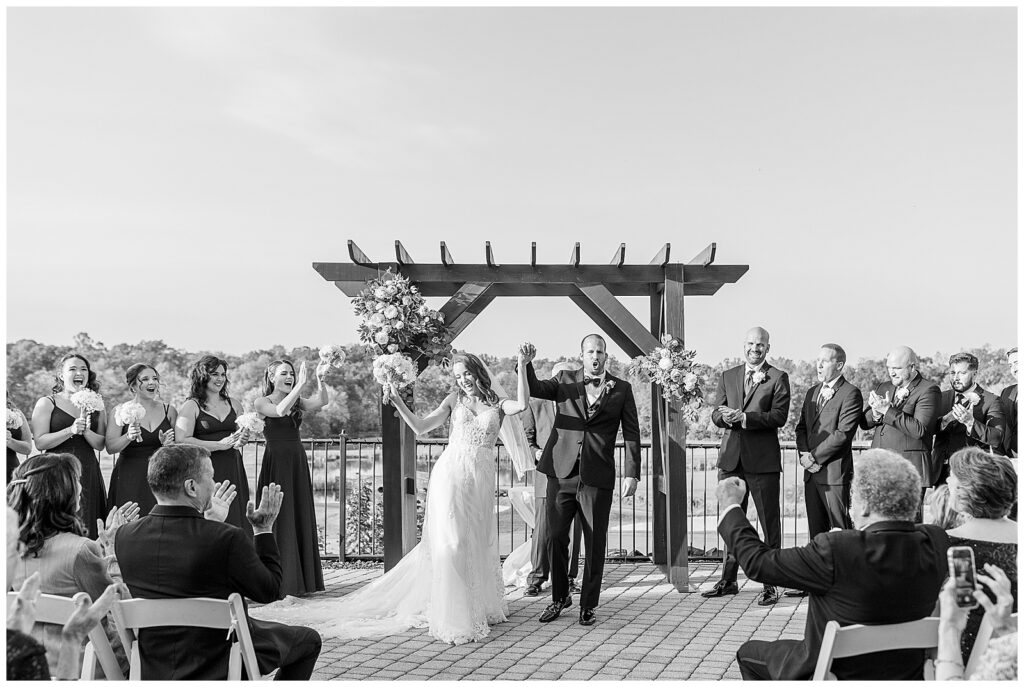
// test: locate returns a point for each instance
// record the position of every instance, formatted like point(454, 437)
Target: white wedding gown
point(451, 581)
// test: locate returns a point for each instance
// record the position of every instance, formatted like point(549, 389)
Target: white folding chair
point(54, 609)
point(135, 614)
point(980, 644)
point(856, 640)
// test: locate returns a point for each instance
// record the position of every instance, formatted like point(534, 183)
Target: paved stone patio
point(645, 630)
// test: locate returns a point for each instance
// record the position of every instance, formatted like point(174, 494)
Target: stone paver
point(645, 631)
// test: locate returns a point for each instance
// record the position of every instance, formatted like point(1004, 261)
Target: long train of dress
point(451, 581)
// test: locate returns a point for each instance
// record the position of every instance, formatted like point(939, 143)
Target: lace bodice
point(469, 429)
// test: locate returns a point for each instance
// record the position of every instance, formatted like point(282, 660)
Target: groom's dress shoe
point(573, 587)
point(795, 592)
point(768, 596)
point(587, 616)
point(721, 589)
point(532, 590)
point(555, 609)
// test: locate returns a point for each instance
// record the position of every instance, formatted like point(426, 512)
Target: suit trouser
point(539, 552)
point(752, 658)
point(763, 487)
point(567, 498)
point(291, 648)
point(828, 506)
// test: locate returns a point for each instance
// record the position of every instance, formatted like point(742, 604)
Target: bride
point(451, 581)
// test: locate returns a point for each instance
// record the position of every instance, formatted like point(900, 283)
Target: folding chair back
point(56, 610)
point(856, 640)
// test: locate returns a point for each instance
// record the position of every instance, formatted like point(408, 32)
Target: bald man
point(752, 404)
point(904, 412)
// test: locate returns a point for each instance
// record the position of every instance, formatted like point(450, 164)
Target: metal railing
point(356, 531)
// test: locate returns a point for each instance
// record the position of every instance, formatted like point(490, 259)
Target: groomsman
point(538, 424)
point(904, 412)
point(751, 405)
point(968, 415)
point(1008, 398)
point(824, 439)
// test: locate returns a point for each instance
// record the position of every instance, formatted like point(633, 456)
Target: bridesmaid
point(58, 427)
point(285, 463)
point(207, 419)
point(128, 480)
point(19, 440)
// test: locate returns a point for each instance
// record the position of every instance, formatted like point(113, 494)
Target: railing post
point(342, 496)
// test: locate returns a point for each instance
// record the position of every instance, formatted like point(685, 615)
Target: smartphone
point(961, 569)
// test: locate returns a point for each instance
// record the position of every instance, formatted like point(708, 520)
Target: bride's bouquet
point(333, 355)
point(670, 366)
point(250, 423)
point(15, 418)
point(87, 401)
point(130, 413)
point(397, 319)
point(393, 368)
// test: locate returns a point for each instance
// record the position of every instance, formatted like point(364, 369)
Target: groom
point(579, 459)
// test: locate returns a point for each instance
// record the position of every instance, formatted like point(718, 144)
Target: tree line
point(355, 407)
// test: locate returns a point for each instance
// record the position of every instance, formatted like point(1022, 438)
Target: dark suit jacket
point(987, 434)
point(175, 553)
point(828, 434)
point(889, 572)
point(908, 428)
point(1008, 399)
point(756, 448)
point(588, 437)
point(538, 420)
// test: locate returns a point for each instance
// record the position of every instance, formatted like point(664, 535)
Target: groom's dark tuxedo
point(579, 456)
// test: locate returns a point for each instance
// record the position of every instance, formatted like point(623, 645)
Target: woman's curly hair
point(43, 492)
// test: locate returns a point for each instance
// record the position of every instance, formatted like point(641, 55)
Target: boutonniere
point(826, 393)
point(758, 377)
point(609, 385)
point(972, 398)
point(901, 395)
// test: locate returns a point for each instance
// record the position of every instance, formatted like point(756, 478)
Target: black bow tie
point(593, 381)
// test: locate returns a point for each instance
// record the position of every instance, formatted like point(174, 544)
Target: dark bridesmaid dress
point(285, 463)
point(12, 456)
point(227, 463)
point(128, 480)
point(94, 496)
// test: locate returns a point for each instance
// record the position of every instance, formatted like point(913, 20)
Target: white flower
point(15, 418)
point(676, 375)
point(972, 398)
point(380, 293)
point(901, 394)
point(381, 338)
point(250, 422)
point(690, 381)
point(129, 412)
point(826, 393)
point(758, 377)
point(665, 363)
point(406, 300)
point(376, 319)
point(393, 368)
point(334, 355)
point(87, 400)
point(391, 289)
point(391, 312)
point(422, 310)
point(439, 316)
point(666, 339)
point(392, 348)
point(379, 307)
point(399, 324)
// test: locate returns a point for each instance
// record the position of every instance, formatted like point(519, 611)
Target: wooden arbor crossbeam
point(594, 289)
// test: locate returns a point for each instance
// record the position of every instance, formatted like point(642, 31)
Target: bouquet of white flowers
point(88, 401)
point(670, 366)
point(130, 413)
point(393, 368)
point(250, 422)
point(15, 418)
point(333, 355)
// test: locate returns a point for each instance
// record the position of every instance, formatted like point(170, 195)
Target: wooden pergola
point(595, 289)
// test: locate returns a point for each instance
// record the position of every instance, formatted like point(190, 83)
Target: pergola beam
point(574, 257)
point(356, 255)
point(705, 257)
point(446, 257)
point(463, 307)
point(610, 315)
point(490, 255)
point(402, 255)
point(620, 256)
point(661, 259)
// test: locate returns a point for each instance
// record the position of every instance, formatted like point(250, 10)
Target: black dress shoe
point(532, 590)
point(587, 616)
point(721, 589)
point(555, 609)
point(573, 587)
point(768, 596)
point(794, 592)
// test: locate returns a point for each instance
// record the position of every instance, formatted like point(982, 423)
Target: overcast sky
point(173, 173)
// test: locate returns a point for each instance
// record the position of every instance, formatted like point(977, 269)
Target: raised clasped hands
point(730, 491)
point(263, 518)
point(963, 415)
point(220, 501)
point(527, 352)
point(730, 415)
point(879, 404)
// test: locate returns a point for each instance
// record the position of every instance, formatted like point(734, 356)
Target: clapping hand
point(879, 404)
point(963, 415)
point(22, 614)
point(263, 518)
point(115, 518)
point(730, 415)
point(303, 375)
point(230, 440)
point(527, 352)
point(88, 614)
point(166, 438)
point(220, 502)
point(629, 486)
point(730, 491)
point(999, 612)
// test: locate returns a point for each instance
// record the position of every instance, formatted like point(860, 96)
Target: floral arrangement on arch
point(397, 319)
point(670, 366)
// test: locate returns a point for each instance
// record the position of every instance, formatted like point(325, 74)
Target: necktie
point(749, 383)
point(821, 396)
point(960, 399)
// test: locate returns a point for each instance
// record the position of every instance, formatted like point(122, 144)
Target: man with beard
point(968, 415)
point(751, 405)
point(1008, 399)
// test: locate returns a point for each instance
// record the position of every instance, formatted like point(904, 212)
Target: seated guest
point(1008, 398)
point(942, 511)
point(968, 415)
point(26, 658)
point(888, 570)
point(175, 553)
point(983, 488)
point(999, 661)
point(45, 494)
